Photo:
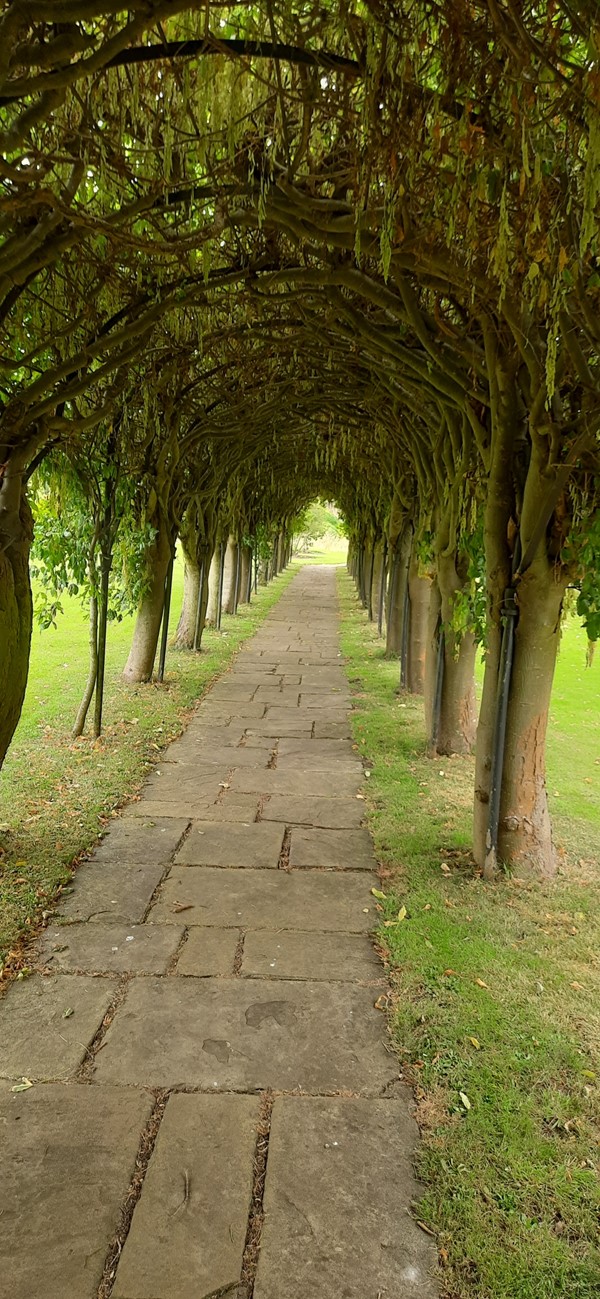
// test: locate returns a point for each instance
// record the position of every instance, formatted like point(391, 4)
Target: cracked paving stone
point(250, 846)
point(67, 1155)
point(268, 899)
point(146, 845)
point(240, 1035)
point(113, 949)
point(298, 780)
point(46, 1024)
point(332, 850)
point(107, 893)
point(336, 813)
point(337, 1196)
point(189, 1227)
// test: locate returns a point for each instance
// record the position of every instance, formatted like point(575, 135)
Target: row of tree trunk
point(413, 606)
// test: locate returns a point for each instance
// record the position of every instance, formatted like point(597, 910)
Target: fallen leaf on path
point(381, 1003)
point(378, 894)
point(23, 1086)
point(68, 1012)
point(183, 906)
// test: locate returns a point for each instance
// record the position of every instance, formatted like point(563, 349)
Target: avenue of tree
point(257, 253)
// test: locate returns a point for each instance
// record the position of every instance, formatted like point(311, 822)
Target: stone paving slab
point(326, 750)
point(239, 691)
point(311, 759)
point(297, 778)
point(208, 952)
point(67, 1156)
point(148, 845)
point(238, 1035)
point(199, 738)
point(38, 1038)
point(280, 697)
point(317, 680)
point(108, 893)
point(332, 850)
point(110, 949)
point(326, 716)
point(268, 899)
point(174, 785)
point(337, 813)
point(324, 730)
point(287, 716)
point(188, 1229)
point(236, 712)
point(222, 758)
point(249, 846)
point(277, 729)
point(344, 958)
point(337, 1198)
point(331, 703)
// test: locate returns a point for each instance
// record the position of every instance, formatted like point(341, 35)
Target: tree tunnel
point(265, 252)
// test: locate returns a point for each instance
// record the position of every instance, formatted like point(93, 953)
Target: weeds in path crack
point(144, 1154)
point(86, 1068)
point(256, 1216)
point(284, 857)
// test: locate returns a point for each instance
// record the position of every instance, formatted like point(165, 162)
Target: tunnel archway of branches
point(265, 251)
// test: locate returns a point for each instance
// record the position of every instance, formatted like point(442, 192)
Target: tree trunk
point(16, 616)
point(245, 574)
point(419, 589)
point(376, 572)
point(184, 636)
point(230, 576)
point(525, 832)
point(396, 601)
point(92, 673)
point(458, 713)
point(105, 567)
point(213, 585)
point(140, 663)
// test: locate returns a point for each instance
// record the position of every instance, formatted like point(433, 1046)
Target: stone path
point(215, 1108)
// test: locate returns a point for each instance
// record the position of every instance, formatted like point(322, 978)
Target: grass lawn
point(495, 1004)
point(56, 793)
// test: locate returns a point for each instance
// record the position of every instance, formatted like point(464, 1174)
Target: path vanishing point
point(216, 1109)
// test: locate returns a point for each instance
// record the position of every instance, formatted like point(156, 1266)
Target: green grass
point(56, 793)
point(495, 991)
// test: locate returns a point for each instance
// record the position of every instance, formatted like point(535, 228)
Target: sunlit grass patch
point(496, 992)
point(56, 793)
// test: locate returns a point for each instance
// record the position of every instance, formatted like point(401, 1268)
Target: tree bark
point(92, 673)
point(376, 581)
point(184, 636)
point(398, 581)
point(525, 832)
point(419, 590)
point(245, 574)
point(140, 663)
point(16, 616)
point(213, 585)
point(230, 575)
point(458, 714)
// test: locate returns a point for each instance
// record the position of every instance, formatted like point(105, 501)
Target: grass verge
point(494, 995)
point(56, 793)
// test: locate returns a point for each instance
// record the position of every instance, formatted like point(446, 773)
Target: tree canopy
point(287, 249)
